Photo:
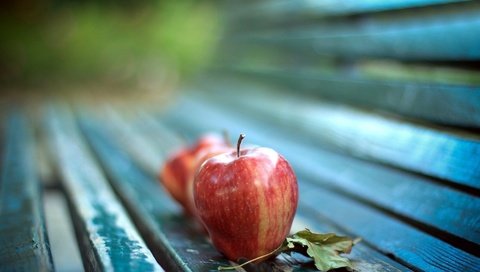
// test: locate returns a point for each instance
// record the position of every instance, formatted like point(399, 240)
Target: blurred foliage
point(118, 41)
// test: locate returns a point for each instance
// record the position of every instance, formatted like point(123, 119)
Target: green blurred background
point(119, 46)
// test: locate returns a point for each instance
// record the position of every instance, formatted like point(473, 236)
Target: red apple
point(246, 200)
point(180, 168)
point(201, 156)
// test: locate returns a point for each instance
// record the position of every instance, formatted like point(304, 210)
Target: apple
point(180, 168)
point(246, 200)
point(200, 157)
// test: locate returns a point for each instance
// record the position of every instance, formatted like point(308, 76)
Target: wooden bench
point(375, 104)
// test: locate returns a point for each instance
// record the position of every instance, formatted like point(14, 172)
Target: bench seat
point(376, 105)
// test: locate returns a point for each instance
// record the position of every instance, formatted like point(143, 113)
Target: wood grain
point(269, 10)
point(174, 240)
point(365, 135)
point(108, 239)
point(449, 104)
point(23, 238)
point(364, 258)
point(411, 196)
point(391, 241)
point(444, 32)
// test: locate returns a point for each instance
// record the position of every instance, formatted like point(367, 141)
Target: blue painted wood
point(365, 135)
point(139, 147)
point(389, 234)
point(439, 33)
point(455, 105)
point(178, 245)
point(410, 196)
point(24, 244)
point(364, 258)
point(269, 10)
point(108, 239)
point(148, 142)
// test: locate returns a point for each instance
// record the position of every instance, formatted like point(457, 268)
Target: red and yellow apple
point(246, 200)
point(179, 170)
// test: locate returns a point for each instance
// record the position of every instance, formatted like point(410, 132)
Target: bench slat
point(139, 147)
point(449, 104)
point(108, 240)
point(271, 10)
point(421, 251)
point(410, 196)
point(172, 237)
point(368, 136)
point(364, 258)
point(439, 33)
point(149, 127)
point(262, 135)
point(24, 244)
point(153, 135)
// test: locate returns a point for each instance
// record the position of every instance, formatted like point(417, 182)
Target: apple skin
point(202, 156)
point(180, 168)
point(246, 202)
point(175, 172)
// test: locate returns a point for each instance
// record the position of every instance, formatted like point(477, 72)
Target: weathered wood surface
point(275, 9)
point(442, 32)
point(386, 171)
point(174, 240)
point(374, 137)
point(363, 214)
point(108, 239)
point(24, 244)
point(365, 259)
point(411, 196)
point(450, 104)
point(139, 147)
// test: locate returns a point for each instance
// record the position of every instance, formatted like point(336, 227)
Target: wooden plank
point(364, 258)
point(108, 240)
point(405, 243)
point(438, 33)
point(284, 64)
point(365, 135)
point(23, 238)
point(158, 134)
point(397, 239)
point(275, 9)
point(174, 240)
point(410, 196)
point(148, 142)
point(139, 147)
point(455, 105)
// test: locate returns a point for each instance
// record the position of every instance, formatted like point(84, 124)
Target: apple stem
point(240, 139)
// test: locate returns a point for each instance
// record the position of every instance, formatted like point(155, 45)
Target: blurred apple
point(179, 170)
